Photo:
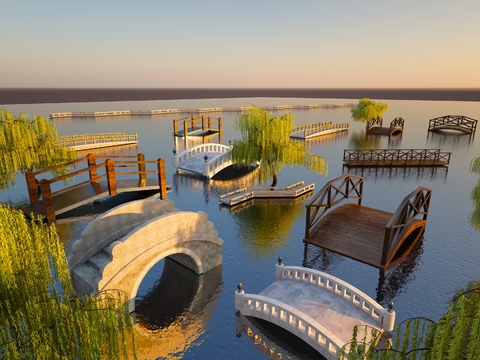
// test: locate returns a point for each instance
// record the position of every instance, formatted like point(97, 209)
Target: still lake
point(184, 316)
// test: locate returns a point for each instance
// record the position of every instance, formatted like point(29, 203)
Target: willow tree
point(266, 141)
point(475, 195)
point(367, 109)
point(28, 145)
point(455, 336)
point(40, 315)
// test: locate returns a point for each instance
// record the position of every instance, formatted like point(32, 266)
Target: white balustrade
point(343, 289)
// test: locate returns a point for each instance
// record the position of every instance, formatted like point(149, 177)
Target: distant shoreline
point(38, 96)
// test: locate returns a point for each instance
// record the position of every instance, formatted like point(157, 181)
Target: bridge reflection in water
point(175, 311)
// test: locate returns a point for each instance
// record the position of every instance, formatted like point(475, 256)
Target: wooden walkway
point(197, 126)
point(369, 235)
point(81, 142)
point(47, 200)
point(396, 157)
point(453, 122)
point(311, 130)
point(374, 126)
point(291, 191)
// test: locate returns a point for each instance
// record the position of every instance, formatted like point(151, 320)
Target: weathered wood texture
point(453, 122)
point(374, 126)
point(396, 157)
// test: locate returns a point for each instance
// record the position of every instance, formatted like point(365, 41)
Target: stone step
point(85, 277)
point(99, 260)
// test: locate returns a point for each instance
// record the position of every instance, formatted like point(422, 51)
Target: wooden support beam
point(162, 179)
point(111, 179)
point(48, 201)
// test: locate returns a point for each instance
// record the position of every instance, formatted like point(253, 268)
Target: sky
point(240, 44)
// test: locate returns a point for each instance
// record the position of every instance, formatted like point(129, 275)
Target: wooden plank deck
point(198, 132)
point(354, 231)
point(88, 193)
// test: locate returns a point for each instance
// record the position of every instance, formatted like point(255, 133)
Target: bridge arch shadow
point(117, 250)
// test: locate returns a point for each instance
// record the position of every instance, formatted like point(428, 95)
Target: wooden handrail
point(415, 204)
point(376, 121)
point(349, 186)
point(110, 166)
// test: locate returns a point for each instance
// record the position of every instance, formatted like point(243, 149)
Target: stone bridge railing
point(197, 150)
point(217, 163)
point(385, 317)
point(291, 319)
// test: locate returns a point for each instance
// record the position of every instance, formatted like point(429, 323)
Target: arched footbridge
point(204, 159)
point(319, 308)
point(117, 249)
point(453, 122)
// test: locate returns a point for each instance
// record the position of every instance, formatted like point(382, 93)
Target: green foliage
point(455, 336)
point(266, 141)
point(28, 145)
point(41, 318)
point(367, 109)
point(475, 195)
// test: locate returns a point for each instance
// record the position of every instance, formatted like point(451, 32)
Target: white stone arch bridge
point(117, 249)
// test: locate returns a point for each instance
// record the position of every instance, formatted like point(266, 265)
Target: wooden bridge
point(97, 140)
point(307, 131)
point(108, 178)
point(319, 308)
point(396, 157)
point(374, 126)
point(197, 126)
point(453, 122)
point(365, 234)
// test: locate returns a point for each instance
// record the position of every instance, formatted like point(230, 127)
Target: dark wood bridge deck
point(197, 126)
point(47, 203)
point(365, 234)
point(396, 157)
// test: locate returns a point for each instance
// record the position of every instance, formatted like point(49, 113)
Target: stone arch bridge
point(117, 249)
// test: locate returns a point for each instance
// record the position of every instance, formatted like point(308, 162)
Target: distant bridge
point(319, 308)
point(204, 159)
point(453, 122)
point(307, 131)
point(374, 126)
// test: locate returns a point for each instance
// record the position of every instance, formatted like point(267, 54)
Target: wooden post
point(142, 168)
point(192, 123)
point(203, 122)
point(185, 128)
point(111, 180)
point(32, 187)
point(220, 130)
point(162, 179)
point(48, 201)
point(92, 169)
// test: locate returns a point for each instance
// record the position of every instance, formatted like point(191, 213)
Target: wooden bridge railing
point(396, 125)
point(85, 139)
point(310, 126)
point(374, 122)
point(415, 205)
point(455, 122)
point(348, 186)
point(110, 173)
point(396, 156)
point(192, 123)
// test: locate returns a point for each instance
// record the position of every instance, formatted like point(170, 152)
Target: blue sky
point(269, 43)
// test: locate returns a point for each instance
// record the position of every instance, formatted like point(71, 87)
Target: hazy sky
point(262, 43)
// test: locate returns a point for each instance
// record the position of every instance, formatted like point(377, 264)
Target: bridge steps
point(89, 273)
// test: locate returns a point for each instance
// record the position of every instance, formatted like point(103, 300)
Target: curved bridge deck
point(317, 307)
point(374, 126)
point(365, 234)
point(453, 122)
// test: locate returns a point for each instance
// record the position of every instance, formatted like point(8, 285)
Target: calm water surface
point(183, 316)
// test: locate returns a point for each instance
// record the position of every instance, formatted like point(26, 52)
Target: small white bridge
point(205, 159)
point(319, 308)
point(307, 131)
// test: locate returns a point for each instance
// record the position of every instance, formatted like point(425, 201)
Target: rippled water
point(183, 316)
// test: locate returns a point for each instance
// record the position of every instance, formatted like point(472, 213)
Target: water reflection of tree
point(361, 140)
point(266, 225)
